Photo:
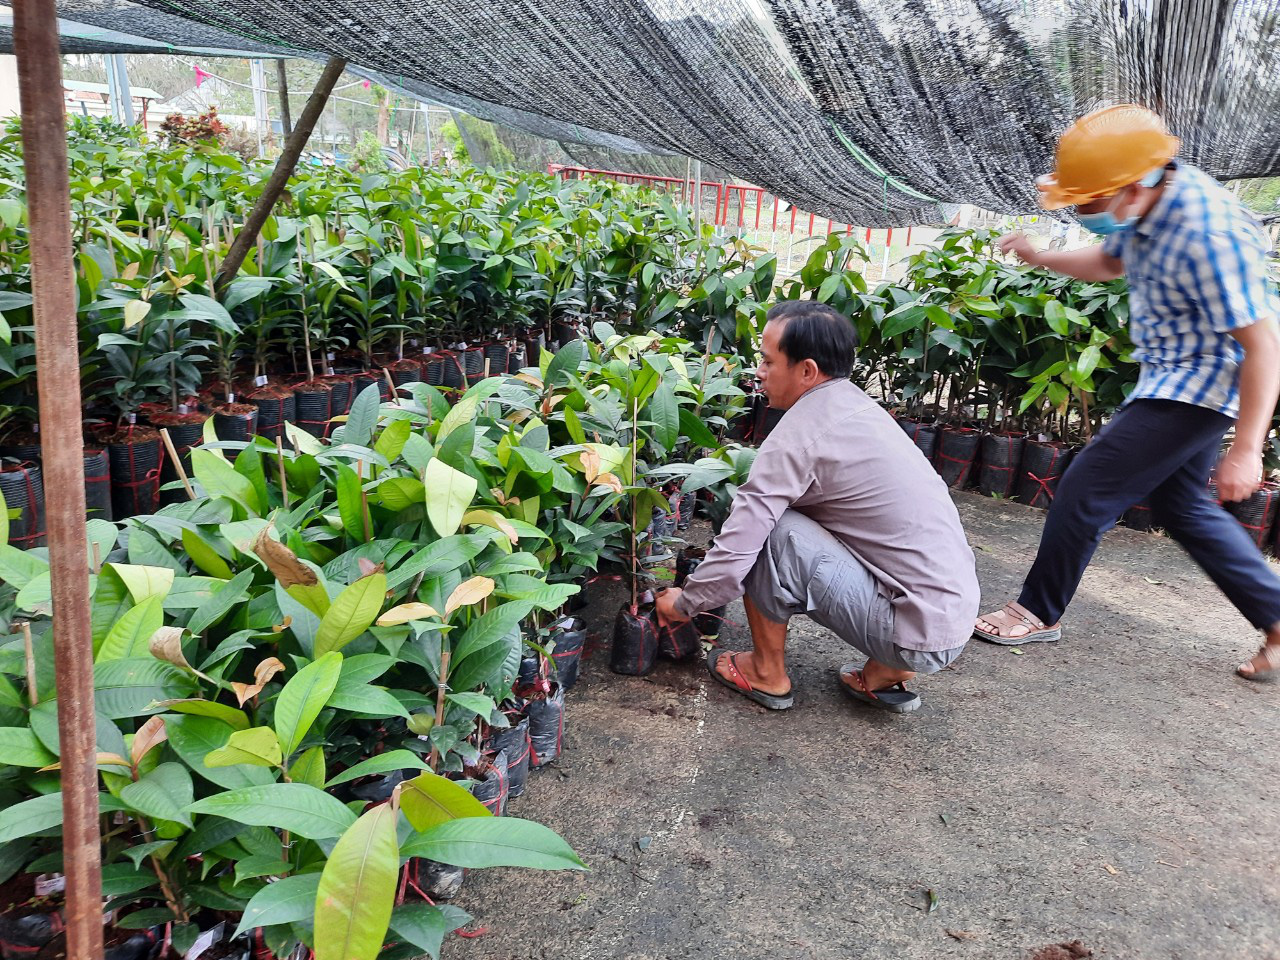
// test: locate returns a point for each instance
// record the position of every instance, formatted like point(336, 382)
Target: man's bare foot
point(875, 676)
point(1013, 625)
point(774, 685)
point(1264, 664)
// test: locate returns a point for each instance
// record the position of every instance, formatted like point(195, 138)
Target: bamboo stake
point(440, 688)
point(306, 320)
point(177, 462)
point(96, 566)
point(33, 691)
point(284, 483)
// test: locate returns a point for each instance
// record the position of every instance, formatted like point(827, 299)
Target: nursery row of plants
point(322, 673)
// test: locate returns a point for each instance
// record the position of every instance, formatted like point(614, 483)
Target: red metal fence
point(736, 204)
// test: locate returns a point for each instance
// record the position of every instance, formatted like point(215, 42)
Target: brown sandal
point(1015, 615)
point(1270, 654)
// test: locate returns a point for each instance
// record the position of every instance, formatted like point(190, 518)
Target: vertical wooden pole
point(44, 145)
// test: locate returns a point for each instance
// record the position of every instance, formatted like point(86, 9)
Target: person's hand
point(1239, 474)
point(1020, 245)
point(665, 605)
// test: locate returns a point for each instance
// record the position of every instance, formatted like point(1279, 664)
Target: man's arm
point(1092, 264)
point(1240, 472)
point(779, 476)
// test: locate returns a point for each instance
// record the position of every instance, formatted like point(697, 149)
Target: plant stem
point(440, 688)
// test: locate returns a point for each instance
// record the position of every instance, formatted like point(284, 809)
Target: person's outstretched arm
point(1092, 264)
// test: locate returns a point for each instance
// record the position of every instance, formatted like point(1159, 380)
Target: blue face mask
point(1104, 223)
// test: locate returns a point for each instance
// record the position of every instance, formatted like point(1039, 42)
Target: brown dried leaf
point(467, 593)
point(610, 481)
point(282, 562)
point(166, 644)
point(960, 934)
point(282, 626)
point(406, 612)
point(368, 568)
point(590, 464)
point(262, 674)
point(529, 379)
point(1110, 869)
point(130, 271)
point(149, 736)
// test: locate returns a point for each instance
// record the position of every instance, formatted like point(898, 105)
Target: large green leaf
point(131, 688)
point(565, 362)
point(363, 416)
point(430, 800)
point(392, 439)
point(304, 696)
point(696, 430)
point(30, 816)
point(19, 747)
point(351, 614)
point(18, 567)
point(204, 556)
point(496, 842)
point(424, 925)
point(483, 666)
point(163, 794)
point(664, 411)
point(194, 738)
point(358, 889)
point(257, 746)
point(111, 598)
point(365, 699)
point(297, 807)
point(288, 900)
point(220, 479)
point(130, 635)
point(449, 493)
point(143, 581)
point(382, 763)
point(350, 505)
point(443, 556)
point(489, 628)
point(309, 768)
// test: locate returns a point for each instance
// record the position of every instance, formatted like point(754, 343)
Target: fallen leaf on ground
point(1158, 583)
point(1110, 869)
point(960, 934)
point(933, 901)
point(1015, 651)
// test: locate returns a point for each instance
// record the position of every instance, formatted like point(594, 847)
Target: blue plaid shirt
point(1196, 266)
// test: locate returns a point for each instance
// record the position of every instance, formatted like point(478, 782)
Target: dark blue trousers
point(1161, 450)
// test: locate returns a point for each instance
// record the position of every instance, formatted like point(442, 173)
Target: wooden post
point(247, 238)
point(44, 145)
point(282, 80)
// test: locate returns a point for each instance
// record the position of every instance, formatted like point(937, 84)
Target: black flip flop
point(741, 685)
point(895, 699)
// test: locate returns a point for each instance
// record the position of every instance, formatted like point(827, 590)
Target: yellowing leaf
point(468, 592)
point(590, 465)
point(529, 379)
point(406, 612)
point(130, 272)
point(257, 746)
point(134, 312)
point(166, 644)
point(262, 675)
point(610, 481)
point(488, 518)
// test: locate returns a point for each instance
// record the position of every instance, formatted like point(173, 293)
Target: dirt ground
point(1118, 788)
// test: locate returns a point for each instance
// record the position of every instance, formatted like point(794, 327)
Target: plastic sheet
point(957, 449)
point(1001, 457)
point(546, 726)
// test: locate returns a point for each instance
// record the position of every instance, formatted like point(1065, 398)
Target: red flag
point(366, 84)
point(201, 76)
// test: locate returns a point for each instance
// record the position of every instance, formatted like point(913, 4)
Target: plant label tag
point(133, 419)
point(35, 428)
point(330, 356)
point(48, 884)
point(205, 941)
point(428, 350)
point(231, 398)
point(260, 381)
point(183, 408)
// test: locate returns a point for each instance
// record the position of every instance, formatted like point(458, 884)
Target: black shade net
point(871, 112)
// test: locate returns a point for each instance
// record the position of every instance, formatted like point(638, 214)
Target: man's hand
point(666, 607)
point(1019, 244)
point(1239, 474)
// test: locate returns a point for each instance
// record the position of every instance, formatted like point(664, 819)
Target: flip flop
point(737, 682)
point(895, 699)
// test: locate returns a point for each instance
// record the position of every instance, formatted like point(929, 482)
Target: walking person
point(1203, 322)
point(842, 519)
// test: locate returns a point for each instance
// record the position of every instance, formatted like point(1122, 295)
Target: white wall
point(8, 85)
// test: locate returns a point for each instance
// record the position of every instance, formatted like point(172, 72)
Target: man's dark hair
point(814, 331)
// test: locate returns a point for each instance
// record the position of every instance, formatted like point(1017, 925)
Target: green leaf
point(664, 411)
point(306, 694)
point(228, 597)
point(130, 636)
point(1088, 362)
point(220, 479)
point(351, 614)
point(392, 439)
point(424, 925)
point(30, 816)
point(260, 865)
point(358, 889)
point(706, 472)
point(1055, 314)
point(476, 703)
point(464, 411)
point(444, 556)
point(382, 763)
point(146, 550)
point(296, 807)
point(309, 768)
point(400, 493)
point(131, 688)
point(489, 628)
point(209, 708)
point(696, 430)
point(142, 581)
point(363, 416)
point(194, 738)
point(566, 361)
point(204, 556)
point(19, 747)
point(496, 842)
point(449, 493)
point(288, 900)
point(18, 567)
point(368, 700)
point(482, 667)
point(430, 800)
point(257, 746)
point(350, 504)
point(163, 794)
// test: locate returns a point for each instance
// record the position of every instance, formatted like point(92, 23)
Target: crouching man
point(842, 519)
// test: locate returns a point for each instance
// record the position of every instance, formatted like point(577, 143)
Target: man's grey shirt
point(840, 459)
